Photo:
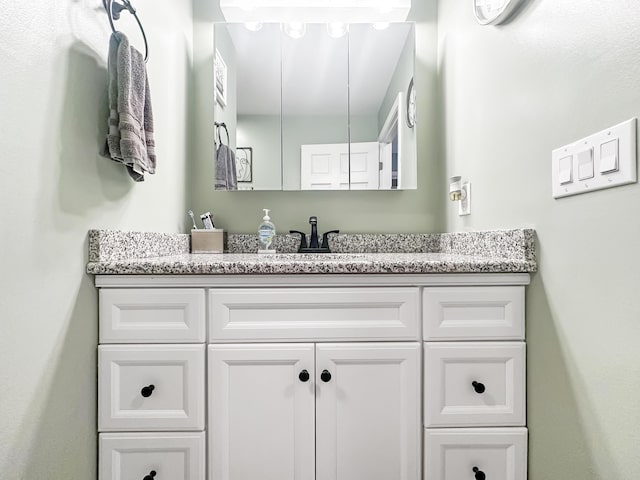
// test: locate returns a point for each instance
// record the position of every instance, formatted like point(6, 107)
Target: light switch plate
point(602, 146)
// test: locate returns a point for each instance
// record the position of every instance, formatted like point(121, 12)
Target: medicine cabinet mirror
point(318, 107)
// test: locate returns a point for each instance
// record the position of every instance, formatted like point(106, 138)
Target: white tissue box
point(207, 241)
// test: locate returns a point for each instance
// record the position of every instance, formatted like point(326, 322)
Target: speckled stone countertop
point(498, 251)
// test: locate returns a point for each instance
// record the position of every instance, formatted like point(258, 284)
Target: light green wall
point(406, 211)
point(53, 188)
point(560, 70)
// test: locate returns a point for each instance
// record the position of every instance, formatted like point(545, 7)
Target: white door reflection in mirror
point(325, 167)
point(340, 166)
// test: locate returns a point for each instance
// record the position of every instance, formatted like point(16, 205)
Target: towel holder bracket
point(114, 9)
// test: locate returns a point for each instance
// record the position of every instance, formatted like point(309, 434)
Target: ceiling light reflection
point(295, 29)
point(336, 29)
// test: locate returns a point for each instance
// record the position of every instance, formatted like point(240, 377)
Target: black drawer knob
point(304, 376)
point(325, 376)
point(479, 474)
point(147, 391)
point(151, 476)
point(478, 387)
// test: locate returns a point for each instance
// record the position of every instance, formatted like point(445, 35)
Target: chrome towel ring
point(113, 12)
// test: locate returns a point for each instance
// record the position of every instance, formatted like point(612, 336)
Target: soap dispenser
point(266, 233)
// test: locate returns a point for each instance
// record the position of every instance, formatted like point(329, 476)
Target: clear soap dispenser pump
point(266, 233)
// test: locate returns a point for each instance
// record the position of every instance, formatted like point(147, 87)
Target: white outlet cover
point(464, 205)
point(626, 172)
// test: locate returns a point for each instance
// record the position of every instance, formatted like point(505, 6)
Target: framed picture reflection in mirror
point(244, 164)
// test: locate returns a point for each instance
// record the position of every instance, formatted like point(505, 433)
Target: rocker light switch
point(585, 164)
point(609, 157)
point(565, 170)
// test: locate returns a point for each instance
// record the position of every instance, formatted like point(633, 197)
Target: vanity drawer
point(160, 315)
point(467, 453)
point(473, 313)
point(474, 384)
point(175, 456)
point(318, 314)
point(151, 387)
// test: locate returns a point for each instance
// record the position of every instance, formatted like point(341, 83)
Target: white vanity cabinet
point(312, 377)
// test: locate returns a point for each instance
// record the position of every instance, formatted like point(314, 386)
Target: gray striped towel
point(130, 138)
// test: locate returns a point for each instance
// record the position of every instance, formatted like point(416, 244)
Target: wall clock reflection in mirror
point(411, 105)
point(493, 12)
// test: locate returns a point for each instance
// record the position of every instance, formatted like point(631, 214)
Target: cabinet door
point(368, 411)
point(261, 412)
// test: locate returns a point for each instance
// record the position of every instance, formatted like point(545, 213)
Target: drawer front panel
point(473, 313)
point(151, 387)
point(474, 384)
point(319, 314)
point(455, 454)
point(152, 315)
point(175, 456)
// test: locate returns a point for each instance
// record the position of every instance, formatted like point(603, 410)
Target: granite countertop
point(136, 253)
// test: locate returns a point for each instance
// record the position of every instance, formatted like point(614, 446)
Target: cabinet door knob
point(304, 376)
point(479, 388)
point(325, 376)
point(147, 391)
point(479, 474)
point(151, 475)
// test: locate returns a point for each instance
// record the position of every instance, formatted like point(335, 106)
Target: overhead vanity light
point(253, 26)
point(381, 25)
point(315, 11)
point(336, 29)
point(295, 29)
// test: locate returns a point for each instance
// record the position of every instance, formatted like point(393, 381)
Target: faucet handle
point(313, 220)
point(303, 239)
point(325, 238)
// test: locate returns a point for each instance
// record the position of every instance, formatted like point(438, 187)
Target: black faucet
point(314, 244)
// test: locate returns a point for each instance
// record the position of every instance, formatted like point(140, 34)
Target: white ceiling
point(315, 72)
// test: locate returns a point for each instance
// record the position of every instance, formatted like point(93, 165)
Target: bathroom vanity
point(386, 367)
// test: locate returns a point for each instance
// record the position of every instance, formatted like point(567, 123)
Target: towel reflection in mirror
point(226, 176)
